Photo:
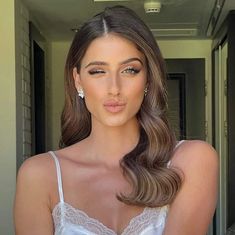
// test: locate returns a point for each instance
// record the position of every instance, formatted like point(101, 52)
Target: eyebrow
point(123, 62)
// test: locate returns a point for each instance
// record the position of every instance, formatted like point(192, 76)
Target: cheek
point(137, 94)
point(93, 95)
point(92, 89)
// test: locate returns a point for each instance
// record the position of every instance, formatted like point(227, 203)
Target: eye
point(96, 71)
point(131, 70)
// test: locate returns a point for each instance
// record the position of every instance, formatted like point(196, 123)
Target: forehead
point(112, 46)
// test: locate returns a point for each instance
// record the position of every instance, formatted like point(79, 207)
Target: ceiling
point(177, 19)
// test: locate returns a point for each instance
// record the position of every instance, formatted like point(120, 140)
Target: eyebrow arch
point(123, 62)
point(96, 63)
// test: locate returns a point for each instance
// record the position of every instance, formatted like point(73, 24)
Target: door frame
point(36, 37)
point(227, 32)
point(181, 78)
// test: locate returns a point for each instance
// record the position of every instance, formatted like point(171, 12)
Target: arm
point(193, 208)
point(32, 215)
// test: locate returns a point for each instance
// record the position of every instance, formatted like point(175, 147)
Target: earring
point(145, 91)
point(81, 93)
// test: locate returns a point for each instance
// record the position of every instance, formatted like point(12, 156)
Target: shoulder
point(36, 170)
point(36, 165)
point(190, 156)
point(32, 204)
point(198, 161)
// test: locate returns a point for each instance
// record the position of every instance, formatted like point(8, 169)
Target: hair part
point(105, 27)
point(145, 167)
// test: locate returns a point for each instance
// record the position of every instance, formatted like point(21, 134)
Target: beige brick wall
point(25, 78)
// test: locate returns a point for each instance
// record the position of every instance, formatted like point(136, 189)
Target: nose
point(114, 84)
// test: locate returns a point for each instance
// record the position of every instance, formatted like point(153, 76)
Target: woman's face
point(113, 78)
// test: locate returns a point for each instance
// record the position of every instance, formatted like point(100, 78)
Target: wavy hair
point(145, 167)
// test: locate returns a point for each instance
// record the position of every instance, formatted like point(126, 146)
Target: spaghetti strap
point(59, 178)
point(179, 143)
point(176, 146)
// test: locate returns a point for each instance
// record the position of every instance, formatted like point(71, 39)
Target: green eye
point(131, 70)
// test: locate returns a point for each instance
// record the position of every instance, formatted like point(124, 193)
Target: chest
point(90, 203)
point(94, 193)
point(97, 197)
point(68, 221)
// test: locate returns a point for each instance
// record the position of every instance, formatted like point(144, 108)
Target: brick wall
point(25, 78)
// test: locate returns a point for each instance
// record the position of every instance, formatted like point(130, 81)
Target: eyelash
point(130, 70)
point(97, 71)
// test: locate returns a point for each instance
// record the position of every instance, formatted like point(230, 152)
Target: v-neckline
point(99, 223)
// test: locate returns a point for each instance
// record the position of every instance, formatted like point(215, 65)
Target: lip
point(114, 106)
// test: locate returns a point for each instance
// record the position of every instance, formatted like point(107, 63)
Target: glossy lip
point(114, 106)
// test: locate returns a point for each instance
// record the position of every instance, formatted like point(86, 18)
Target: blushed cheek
point(92, 101)
point(138, 97)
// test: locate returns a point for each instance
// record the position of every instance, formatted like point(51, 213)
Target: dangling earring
point(81, 93)
point(145, 91)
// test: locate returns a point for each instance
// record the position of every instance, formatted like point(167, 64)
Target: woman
point(120, 163)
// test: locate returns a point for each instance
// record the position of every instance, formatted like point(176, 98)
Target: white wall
point(15, 137)
point(7, 115)
point(23, 89)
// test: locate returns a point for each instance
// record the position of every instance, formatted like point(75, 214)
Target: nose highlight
point(114, 85)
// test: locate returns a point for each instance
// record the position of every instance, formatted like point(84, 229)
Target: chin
point(115, 123)
point(119, 121)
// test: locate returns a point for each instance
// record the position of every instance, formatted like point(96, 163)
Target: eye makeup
point(130, 67)
point(131, 70)
point(96, 71)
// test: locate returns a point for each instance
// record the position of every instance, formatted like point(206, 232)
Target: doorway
point(190, 79)
point(176, 103)
point(223, 111)
point(37, 91)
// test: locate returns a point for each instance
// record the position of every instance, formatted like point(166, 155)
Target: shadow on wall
point(194, 70)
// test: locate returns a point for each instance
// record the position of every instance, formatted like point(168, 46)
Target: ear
point(77, 80)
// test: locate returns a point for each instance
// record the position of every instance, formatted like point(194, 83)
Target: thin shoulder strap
point(176, 146)
point(59, 178)
point(179, 143)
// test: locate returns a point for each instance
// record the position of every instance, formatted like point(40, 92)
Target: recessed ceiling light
point(151, 6)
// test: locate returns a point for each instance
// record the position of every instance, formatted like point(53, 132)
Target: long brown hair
point(153, 183)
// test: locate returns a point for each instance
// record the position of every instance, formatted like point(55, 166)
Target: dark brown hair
point(153, 183)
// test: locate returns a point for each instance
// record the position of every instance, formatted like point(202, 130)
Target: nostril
point(114, 92)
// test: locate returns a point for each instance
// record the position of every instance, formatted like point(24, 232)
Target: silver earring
point(145, 91)
point(81, 93)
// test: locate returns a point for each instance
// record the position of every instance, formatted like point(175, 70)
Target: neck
point(110, 144)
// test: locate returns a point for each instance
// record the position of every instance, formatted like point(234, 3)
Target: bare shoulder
point(36, 168)
point(32, 211)
point(195, 154)
point(36, 175)
point(192, 210)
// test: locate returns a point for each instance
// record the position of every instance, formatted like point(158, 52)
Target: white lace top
point(71, 221)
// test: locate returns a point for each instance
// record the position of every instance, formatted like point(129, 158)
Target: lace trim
point(65, 213)
point(156, 216)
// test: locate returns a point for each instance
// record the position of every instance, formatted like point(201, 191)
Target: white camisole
point(72, 221)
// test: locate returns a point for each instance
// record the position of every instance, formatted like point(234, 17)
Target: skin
point(90, 168)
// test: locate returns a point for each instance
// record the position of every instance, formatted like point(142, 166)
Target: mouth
point(114, 106)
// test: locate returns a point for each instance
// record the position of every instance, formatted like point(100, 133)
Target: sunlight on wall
point(7, 116)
